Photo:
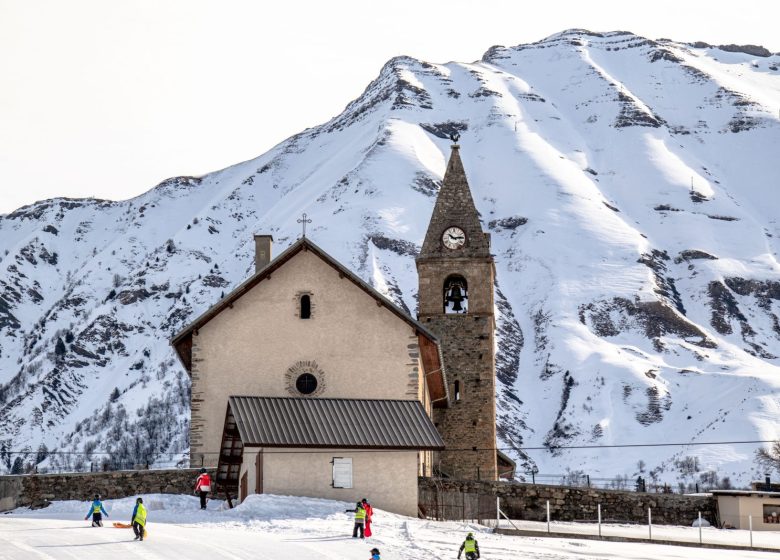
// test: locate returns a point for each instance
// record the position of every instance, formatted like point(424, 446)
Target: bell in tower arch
point(456, 295)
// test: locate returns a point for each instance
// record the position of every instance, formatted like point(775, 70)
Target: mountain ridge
point(637, 276)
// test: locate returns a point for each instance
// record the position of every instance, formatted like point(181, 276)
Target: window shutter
point(342, 472)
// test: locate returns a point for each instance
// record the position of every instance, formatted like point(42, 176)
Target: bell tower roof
point(455, 208)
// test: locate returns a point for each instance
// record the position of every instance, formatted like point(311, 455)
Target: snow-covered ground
point(275, 527)
point(709, 535)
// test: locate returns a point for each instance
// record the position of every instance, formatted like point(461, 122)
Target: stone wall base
point(529, 502)
point(38, 490)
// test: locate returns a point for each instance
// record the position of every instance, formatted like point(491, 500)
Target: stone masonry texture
point(468, 426)
point(529, 502)
point(38, 490)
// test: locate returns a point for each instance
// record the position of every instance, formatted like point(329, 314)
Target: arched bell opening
point(456, 295)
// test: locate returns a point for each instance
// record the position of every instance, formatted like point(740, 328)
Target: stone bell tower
point(456, 273)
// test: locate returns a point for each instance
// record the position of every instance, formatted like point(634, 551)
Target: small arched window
point(305, 307)
point(457, 390)
point(456, 295)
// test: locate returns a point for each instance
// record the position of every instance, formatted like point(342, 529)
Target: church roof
point(455, 207)
point(333, 423)
point(432, 360)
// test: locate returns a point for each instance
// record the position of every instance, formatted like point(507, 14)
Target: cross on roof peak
point(304, 219)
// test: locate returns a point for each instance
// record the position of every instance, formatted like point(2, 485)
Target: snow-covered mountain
point(631, 188)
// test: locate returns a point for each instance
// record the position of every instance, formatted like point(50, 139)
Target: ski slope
point(276, 527)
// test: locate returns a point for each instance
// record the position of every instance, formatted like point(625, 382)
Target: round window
point(306, 383)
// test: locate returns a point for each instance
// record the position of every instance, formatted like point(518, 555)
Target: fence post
point(498, 509)
point(587, 478)
point(699, 527)
point(599, 506)
point(548, 516)
point(750, 525)
point(650, 523)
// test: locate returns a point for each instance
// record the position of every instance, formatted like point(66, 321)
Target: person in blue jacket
point(97, 511)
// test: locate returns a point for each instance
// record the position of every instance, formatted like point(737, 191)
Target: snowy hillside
point(631, 189)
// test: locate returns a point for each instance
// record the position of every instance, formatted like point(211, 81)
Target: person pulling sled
point(470, 547)
point(97, 512)
point(139, 519)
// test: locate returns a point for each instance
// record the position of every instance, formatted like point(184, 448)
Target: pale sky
point(107, 98)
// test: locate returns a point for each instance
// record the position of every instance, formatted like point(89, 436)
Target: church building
point(307, 381)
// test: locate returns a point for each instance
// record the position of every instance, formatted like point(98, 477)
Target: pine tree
point(59, 349)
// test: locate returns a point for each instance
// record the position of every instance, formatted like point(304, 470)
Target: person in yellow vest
point(139, 519)
point(360, 519)
point(470, 547)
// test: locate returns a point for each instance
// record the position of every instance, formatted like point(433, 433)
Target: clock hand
point(454, 238)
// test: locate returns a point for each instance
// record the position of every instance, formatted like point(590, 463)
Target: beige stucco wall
point(388, 479)
point(735, 510)
point(363, 349)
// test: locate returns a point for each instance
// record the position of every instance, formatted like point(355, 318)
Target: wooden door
point(243, 491)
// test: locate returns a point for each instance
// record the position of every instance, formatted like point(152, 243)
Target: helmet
point(202, 470)
point(374, 551)
point(470, 536)
point(139, 501)
point(97, 496)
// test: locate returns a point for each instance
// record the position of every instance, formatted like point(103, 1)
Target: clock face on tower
point(453, 238)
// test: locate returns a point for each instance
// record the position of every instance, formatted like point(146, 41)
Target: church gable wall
point(354, 347)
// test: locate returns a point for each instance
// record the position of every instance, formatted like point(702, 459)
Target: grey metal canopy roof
point(333, 423)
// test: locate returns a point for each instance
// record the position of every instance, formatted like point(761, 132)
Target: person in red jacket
point(369, 514)
point(203, 487)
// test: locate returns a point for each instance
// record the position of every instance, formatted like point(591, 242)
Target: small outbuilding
point(325, 448)
point(740, 508)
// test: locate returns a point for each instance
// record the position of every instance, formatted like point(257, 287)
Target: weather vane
point(455, 136)
point(304, 220)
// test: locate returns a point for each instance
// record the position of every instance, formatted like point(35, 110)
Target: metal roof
point(333, 423)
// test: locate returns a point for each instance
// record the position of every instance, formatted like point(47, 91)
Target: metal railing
point(582, 480)
point(74, 462)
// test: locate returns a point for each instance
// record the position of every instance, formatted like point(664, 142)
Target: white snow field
point(709, 535)
point(280, 527)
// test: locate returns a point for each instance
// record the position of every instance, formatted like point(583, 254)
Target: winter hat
point(139, 501)
point(202, 470)
point(97, 496)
